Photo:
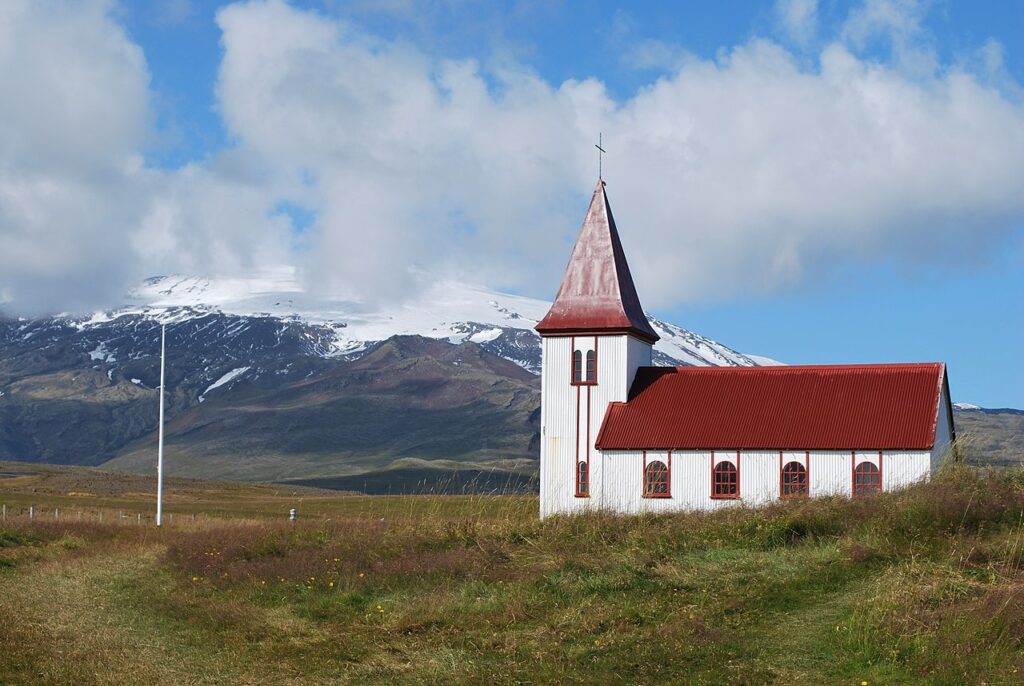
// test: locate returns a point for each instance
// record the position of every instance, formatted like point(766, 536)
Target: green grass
point(919, 586)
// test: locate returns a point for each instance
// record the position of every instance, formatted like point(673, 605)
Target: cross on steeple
point(599, 155)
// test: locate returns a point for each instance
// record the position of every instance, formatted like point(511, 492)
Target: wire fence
point(23, 513)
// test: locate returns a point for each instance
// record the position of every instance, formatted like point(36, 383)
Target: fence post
point(5, 512)
point(56, 514)
point(139, 517)
point(31, 511)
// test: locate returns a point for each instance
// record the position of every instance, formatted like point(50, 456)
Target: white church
point(621, 435)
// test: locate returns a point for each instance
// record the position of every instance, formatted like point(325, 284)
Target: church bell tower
point(593, 340)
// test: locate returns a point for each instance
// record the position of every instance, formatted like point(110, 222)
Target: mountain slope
point(266, 380)
point(408, 398)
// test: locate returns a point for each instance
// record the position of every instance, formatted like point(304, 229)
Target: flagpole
point(160, 438)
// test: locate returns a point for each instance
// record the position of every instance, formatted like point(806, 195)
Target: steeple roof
point(597, 294)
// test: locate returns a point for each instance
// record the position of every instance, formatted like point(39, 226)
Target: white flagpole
point(160, 439)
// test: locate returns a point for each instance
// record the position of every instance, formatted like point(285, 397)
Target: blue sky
point(249, 138)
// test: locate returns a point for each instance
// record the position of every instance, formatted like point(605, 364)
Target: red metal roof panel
point(597, 292)
point(836, 407)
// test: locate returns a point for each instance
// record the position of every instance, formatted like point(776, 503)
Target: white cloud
point(81, 215)
point(749, 172)
point(897, 23)
point(744, 173)
point(798, 19)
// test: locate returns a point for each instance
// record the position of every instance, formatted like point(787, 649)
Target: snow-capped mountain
point(267, 379)
point(344, 326)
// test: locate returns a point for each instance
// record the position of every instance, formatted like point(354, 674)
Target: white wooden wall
point(830, 473)
point(943, 432)
point(618, 358)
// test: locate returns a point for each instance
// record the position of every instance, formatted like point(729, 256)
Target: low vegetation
point(919, 586)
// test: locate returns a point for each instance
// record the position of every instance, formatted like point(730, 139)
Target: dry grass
point(920, 586)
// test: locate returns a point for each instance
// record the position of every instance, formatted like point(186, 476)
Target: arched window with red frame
point(577, 366)
point(794, 480)
point(656, 480)
point(867, 478)
point(582, 480)
point(591, 366)
point(725, 480)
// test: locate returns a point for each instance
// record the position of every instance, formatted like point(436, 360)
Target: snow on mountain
point(966, 406)
point(225, 379)
point(450, 310)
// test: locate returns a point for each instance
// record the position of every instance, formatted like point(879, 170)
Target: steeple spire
point(597, 294)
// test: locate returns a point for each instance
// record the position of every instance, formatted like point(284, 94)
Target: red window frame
point(580, 375)
point(867, 478)
point(793, 482)
point(582, 479)
point(662, 487)
point(725, 478)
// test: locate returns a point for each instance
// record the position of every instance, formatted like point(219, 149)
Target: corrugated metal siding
point(905, 468)
point(830, 474)
point(559, 416)
point(821, 407)
point(943, 430)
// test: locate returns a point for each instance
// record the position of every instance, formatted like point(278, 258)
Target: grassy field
point(919, 586)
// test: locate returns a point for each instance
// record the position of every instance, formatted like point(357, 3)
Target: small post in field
point(56, 513)
point(291, 515)
point(5, 512)
point(31, 512)
point(139, 517)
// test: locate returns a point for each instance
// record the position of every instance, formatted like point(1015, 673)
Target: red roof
point(857, 407)
point(597, 292)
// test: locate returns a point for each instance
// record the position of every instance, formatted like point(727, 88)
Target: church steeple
point(597, 294)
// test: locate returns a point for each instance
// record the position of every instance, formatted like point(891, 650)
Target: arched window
point(582, 479)
point(725, 480)
point(867, 478)
point(577, 366)
point(656, 480)
point(591, 366)
point(794, 480)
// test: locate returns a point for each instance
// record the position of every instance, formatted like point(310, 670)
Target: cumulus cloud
point(748, 172)
point(82, 216)
point(752, 171)
point(798, 19)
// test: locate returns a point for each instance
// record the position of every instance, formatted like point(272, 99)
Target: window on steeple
point(591, 366)
point(582, 480)
point(577, 366)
